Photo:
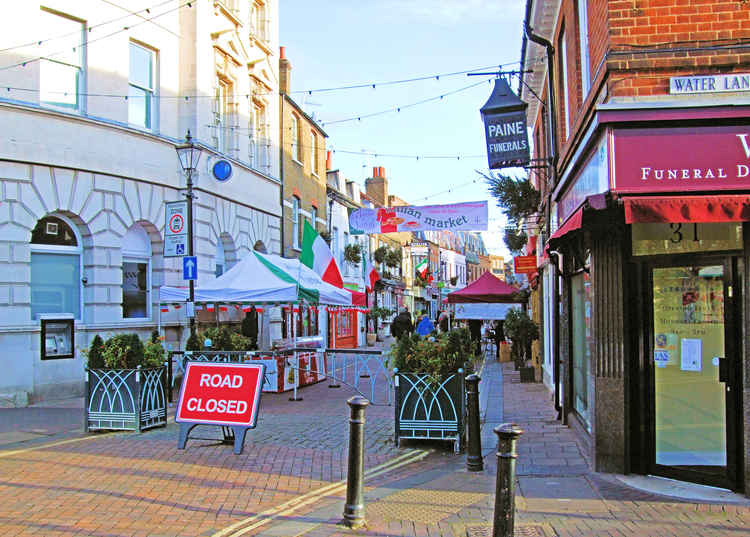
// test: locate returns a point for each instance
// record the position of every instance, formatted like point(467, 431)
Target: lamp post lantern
point(189, 155)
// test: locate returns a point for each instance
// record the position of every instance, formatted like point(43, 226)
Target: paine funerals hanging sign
point(470, 216)
point(504, 116)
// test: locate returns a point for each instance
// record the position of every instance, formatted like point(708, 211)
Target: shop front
point(651, 249)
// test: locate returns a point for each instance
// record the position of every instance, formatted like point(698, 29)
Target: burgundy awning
point(680, 209)
point(487, 288)
point(571, 224)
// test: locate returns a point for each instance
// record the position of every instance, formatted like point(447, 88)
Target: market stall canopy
point(488, 288)
point(263, 278)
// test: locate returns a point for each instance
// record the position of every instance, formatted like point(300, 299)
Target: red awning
point(358, 299)
point(573, 223)
point(679, 209)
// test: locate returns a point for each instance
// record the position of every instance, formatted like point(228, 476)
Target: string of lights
point(40, 42)
point(86, 43)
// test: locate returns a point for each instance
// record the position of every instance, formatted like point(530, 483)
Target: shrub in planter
point(193, 343)
point(353, 253)
point(221, 338)
point(123, 351)
point(439, 356)
point(239, 342)
point(521, 331)
point(94, 353)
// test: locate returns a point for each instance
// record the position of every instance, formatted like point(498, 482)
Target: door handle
point(723, 369)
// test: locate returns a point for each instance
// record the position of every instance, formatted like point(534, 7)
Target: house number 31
point(677, 233)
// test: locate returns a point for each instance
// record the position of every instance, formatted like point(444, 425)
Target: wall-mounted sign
point(504, 116)
point(681, 159)
point(709, 83)
point(222, 170)
point(470, 216)
point(175, 229)
point(524, 264)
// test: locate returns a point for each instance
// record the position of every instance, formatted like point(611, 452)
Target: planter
point(371, 337)
point(504, 352)
point(428, 410)
point(125, 399)
point(381, 333)
point(527, 374)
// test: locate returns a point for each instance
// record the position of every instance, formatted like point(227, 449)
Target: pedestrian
point(425, 326)
point(475, 329)
point(402, 325)
point(444, 321)
point(498, 336)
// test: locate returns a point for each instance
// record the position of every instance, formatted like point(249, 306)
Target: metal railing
point(364, 370)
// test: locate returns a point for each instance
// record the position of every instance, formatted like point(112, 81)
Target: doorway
point(694, 344)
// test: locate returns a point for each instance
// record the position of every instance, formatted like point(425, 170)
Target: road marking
point(288, 507)
point(4, 454)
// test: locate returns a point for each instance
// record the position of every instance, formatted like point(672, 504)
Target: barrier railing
point(364, 370)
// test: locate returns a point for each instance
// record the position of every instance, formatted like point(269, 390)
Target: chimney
point(377, 186)
point(375, 170)
point(285, 72)
point(381, 172)
point(329, 160)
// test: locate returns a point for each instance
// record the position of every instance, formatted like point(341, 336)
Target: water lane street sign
point(175, 228)
point(190, 267)
point(222, 394)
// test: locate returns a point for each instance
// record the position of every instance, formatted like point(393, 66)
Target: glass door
point(692, 377)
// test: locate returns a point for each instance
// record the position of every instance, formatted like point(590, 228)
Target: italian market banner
point(485, 311)
point(471, 216)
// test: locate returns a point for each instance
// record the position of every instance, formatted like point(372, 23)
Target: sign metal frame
point(175, 228)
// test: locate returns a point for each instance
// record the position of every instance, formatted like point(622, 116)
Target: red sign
point(682, 159)
point(524, 264)
point(220, 394)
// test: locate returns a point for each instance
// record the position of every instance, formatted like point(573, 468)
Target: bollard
point(474, 461)
point(354, 509)
point(505, 480)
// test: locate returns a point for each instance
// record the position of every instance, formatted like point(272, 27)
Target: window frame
point(295, 222)
point(81, 79)
point(140, 257)
point(296, 148)
point(152, 107)
point(314, 153)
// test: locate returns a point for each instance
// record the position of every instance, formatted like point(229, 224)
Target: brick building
point(642, 111)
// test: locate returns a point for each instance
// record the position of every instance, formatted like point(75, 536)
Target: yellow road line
point(4, 454)
point(288, 507)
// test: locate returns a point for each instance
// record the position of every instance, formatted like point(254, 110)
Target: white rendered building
point(94, 99)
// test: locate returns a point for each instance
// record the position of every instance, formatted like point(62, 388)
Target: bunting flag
point(317, 255)
point(371, 276)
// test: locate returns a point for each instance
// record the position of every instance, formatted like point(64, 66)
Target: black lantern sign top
point(504, 116)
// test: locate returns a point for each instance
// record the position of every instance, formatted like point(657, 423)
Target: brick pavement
point(288, 481)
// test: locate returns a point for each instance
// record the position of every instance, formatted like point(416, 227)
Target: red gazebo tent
point(488, 288)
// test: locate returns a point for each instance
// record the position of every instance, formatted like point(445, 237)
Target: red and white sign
point(220, 394)
point(176, 223)
point(682, 159)
point(524, 264)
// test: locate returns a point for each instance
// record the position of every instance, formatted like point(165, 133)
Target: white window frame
point(63, 250)
point(295, 147)
point(564, 68)
point(314, 153)
point(295, 222)
point(139, 256)
point(79, 105)
point(220, 260)
point(152, 105)
point(583, 36)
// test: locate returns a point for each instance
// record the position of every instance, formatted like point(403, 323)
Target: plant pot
point(381, 334)
point(126, 399)
point(527, 374)
point(371, 337)
point(427, 410)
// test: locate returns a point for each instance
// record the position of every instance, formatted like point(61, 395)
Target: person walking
point(402, 325)
point(498, 336)
point(475, 328)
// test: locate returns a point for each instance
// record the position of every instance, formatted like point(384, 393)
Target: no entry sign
point(220, 394)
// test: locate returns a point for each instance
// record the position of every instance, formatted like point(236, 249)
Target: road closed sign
point(220, 394)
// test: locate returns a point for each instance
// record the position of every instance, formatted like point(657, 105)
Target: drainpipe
point(281, 173)
point(551, 111)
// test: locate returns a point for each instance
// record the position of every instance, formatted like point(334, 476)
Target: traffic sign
point(175, 229)
point(190, 267)
point(227, 395)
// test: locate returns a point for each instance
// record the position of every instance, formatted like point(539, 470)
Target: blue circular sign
point(222, 170)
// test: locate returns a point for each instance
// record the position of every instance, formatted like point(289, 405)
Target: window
point(346, 242)
point(55, 268)
point(583, 37)
point(562, 47)
point(223, 117)
point(314, 217)
point(259, 21)
point(295, 223)
point(221, 261)
point(334, 240)
point(136, 274)
point(61, 72)
point(314, 153)
point(580, 288)
point(141, 89)
point(296, 152)
point(259, 146)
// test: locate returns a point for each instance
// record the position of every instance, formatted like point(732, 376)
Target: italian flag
point(371, 276)
point(422, 268)
point(317, 255)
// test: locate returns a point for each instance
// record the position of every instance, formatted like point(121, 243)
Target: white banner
point(484, 311)
point(470, 216)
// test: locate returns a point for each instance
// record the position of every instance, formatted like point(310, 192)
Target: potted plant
point(393, 258)
point(380, 254)
point(125, 383)
point(353, 253)
point(521, 331)
point(381, 314)
point(429, 384)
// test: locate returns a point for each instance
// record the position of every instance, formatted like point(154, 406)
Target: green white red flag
point(317, 255)
point(371, 276)
point(422, 268)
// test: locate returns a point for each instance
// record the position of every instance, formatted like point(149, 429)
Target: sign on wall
point(175, 229)
point(504, 116)
point(471, 216)
point(221, 394)
point(709, 83)
point(524, 264)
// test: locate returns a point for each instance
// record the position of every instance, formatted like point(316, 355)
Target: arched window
point(136, 274)
point(221, 260)
point(55, 267)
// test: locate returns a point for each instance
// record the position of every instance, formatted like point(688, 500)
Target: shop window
point(61, 65)
point(580, 288)
point(55, 268)
point(136, 274)
point(220, 259)
point(141, 86)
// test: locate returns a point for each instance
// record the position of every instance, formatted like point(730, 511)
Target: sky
point(339, 43)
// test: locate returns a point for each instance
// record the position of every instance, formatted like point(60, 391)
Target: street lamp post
point(189, 155)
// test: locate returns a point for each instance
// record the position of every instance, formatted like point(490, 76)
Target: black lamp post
point(189, 155)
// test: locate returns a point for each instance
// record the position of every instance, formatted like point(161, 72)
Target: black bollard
point(474, 461)
point(354, 509)
point(505, 481)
